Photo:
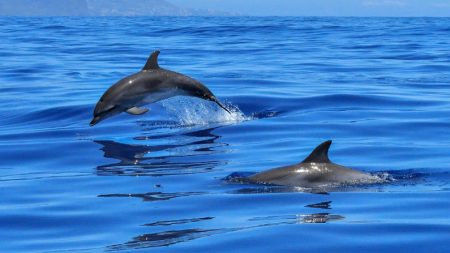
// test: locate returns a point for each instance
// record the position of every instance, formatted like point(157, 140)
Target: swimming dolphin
point(147, 86)
point(315, 171)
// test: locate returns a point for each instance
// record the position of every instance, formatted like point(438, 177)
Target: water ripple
point(377, 86)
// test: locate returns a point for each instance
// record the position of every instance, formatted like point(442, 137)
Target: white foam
point(190, 112)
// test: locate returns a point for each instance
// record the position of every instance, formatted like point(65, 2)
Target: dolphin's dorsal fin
point(319, 154)
point(152, 62)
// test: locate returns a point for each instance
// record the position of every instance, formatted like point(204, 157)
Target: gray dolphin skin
point(147, 86)
point(315, 171)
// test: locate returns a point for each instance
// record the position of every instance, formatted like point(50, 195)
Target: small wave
point(54, 27)
point(67, 114)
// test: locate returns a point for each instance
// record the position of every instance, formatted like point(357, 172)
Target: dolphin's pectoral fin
point(137, 111)
point(152, 62)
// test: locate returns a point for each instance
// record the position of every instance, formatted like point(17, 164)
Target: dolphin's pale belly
point(313, 175)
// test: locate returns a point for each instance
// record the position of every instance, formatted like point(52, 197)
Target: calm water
point(379, 88)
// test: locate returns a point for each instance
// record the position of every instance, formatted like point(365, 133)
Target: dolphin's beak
point(220, 104)
point(94, 121)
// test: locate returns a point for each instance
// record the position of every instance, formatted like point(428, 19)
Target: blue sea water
point(378, 87)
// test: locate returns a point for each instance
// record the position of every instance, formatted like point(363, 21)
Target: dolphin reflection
point(180, 235)
point(162, 159)
point(150, 196)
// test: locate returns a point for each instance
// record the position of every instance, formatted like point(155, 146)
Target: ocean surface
point(378, 87)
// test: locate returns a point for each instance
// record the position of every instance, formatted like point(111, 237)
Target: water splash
point(189, 113)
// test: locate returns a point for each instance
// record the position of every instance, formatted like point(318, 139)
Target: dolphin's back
point(139, 86)
point(277, 176)
point(315, 171)
point(311, 175)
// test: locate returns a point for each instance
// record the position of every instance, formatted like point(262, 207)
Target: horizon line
point(223, 16)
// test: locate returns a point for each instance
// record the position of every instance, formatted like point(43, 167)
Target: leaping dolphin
point(147, 86)
point(315, 171)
